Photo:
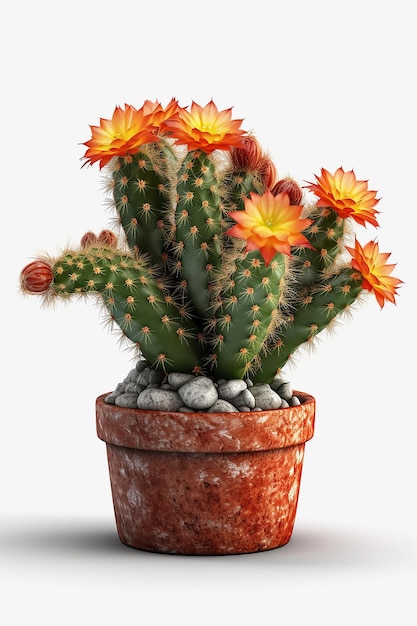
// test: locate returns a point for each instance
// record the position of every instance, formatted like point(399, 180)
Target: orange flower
point(123, 134)
point(158, 112)
point(205, 128)
point(270, 224)
point(346, 195)
point(375, 271)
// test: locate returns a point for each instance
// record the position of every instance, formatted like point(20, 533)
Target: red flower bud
point(88, 239)
point(248, 156)
point(107, 238)
point(36, 277)
point(290, 187)
point(267, 171)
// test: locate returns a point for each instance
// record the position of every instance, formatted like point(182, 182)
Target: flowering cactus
point(224, 269)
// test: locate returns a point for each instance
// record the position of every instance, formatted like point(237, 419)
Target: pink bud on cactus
point(36, 277)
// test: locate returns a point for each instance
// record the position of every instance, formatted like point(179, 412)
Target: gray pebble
point(155, 377)
point(265, 397)
point(245, 398)
point(199, 393)
point(132, 376)
point(294, 401)
point(128, 400)
point(159, 400)
point(222, 406)
point(141, 365)
point(111, 398)
point(285, 391)
point(149, 376)
point(277, 381)
point(230, 389)
point(177, 379)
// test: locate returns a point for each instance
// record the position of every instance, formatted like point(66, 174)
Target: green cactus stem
point(325, 236)
point(246, 313)
point(198, 220)
point(137, 302)
point(314, 312)
point(142, 191)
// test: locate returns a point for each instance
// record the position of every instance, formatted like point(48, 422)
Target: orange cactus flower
point(372, 264)
point(205, 128)
point(158, 112)
point(128, 129)
point(270, 224)
point(346, 195)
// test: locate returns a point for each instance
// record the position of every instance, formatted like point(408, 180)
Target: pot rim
point(202, 432)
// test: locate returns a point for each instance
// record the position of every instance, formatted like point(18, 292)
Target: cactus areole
point(221, 268)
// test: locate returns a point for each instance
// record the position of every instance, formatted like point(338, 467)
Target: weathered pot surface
point(205, 483)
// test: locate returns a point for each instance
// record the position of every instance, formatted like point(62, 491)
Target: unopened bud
point(88, 239)
point(291, 188)
point(36, 277)
point(108, 238)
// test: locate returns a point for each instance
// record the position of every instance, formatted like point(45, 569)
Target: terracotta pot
point(205, 483)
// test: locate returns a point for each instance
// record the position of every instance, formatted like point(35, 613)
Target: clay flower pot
point(205, 483)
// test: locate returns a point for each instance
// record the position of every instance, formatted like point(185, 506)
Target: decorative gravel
point(146, 388)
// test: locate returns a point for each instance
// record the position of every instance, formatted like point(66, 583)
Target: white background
point(321, 84)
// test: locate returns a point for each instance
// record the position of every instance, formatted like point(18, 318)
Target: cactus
point(220, 268)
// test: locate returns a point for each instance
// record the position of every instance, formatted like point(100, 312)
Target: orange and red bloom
point(270, 224)
point(375, 271)
point(128, 129)
point(346, 195)
point(202, 128)
point(205, 128)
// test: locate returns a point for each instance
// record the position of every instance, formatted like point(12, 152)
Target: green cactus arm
point(136, 301)
point(246, 311)
point(309, 317)
point(325, 235)
point(142, 187)
point(198, 226)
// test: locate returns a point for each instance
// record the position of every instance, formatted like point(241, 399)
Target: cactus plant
point(220, 267)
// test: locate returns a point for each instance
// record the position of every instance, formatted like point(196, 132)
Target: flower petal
point(346, 195)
